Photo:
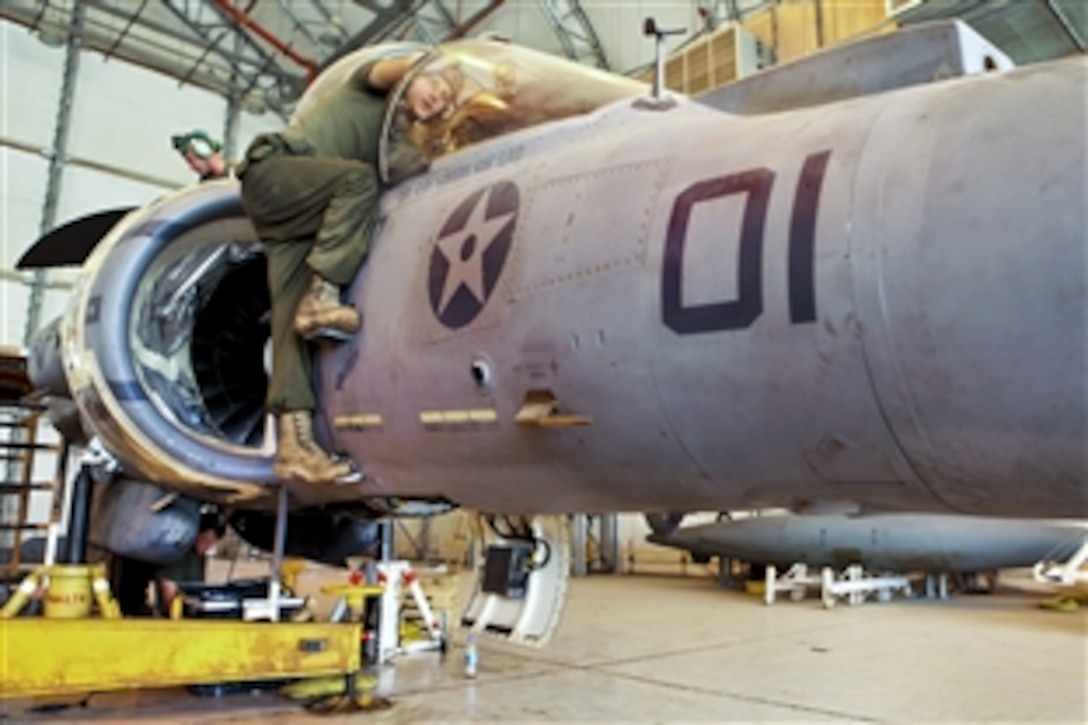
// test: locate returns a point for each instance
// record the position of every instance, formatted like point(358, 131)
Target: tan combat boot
point(300, 458)
point(320, 313)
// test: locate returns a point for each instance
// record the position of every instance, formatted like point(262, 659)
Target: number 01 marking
point(741, 312)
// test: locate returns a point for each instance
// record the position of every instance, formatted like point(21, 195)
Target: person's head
point(428, 95)
point(211, 167)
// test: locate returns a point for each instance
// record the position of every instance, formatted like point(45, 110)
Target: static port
point(481, 373)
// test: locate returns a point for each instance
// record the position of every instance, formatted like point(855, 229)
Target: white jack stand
point(854, 586)
point(269, 610)
point(1067, 574)
point(394, 576)
point(794, 582)
point(937, 585)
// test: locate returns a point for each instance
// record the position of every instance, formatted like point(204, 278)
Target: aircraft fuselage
point(879, 300)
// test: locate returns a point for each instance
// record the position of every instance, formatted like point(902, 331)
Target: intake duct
point(170, 327)
point(229, 337)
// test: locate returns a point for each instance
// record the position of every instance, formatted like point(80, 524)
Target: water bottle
point(472, 656)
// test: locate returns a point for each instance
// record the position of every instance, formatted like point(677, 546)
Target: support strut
point(79, 517)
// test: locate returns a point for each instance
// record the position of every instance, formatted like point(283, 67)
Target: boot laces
point(305, 438)
point(326, 291)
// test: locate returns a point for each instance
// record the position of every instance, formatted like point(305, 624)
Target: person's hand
point(217, 165)
point(214, 166)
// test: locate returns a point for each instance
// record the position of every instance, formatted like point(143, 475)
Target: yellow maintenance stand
point(62, 657)
point(67, 652)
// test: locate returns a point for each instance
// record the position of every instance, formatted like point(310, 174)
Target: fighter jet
point(862, 286)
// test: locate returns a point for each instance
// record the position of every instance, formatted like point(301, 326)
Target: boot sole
point(292, 476)
point(353, 477)
point(327, 333)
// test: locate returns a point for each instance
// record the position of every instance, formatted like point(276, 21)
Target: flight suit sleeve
point(360, 80)
point(381, 76)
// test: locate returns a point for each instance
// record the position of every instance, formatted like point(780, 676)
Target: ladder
point(25, 452)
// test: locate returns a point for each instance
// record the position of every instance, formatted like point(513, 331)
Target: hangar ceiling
point(262, 53)
point(257, 52)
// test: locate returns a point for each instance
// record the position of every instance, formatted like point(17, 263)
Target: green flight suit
point(312, 193)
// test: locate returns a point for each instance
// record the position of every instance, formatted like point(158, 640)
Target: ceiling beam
point(1068, 27)
point(246, 21)
point(575, 31)
point(385, 18)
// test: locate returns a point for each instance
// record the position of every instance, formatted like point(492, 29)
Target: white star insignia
point(464, 251)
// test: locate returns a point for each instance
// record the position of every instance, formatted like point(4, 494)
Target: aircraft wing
point(71, 243)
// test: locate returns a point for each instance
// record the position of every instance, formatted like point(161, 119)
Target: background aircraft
point(582, 299)
point(880, 542)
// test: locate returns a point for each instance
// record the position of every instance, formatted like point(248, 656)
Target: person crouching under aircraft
point(312, 192)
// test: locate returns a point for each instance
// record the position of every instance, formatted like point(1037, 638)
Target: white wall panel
point(30, 80)
point(14, 298)
point(124, 116)
point(249, 125)
point(22, 188)
point(85, 190)
point(619, 26)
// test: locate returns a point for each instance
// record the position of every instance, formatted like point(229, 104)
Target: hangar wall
point(119, 153)
point(119, 150)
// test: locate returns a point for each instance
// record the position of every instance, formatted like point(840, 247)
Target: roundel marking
point(470, 252)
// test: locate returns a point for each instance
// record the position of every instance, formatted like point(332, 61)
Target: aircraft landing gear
point(522, 577)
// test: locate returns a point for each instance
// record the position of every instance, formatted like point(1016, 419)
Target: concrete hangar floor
point(671, 648)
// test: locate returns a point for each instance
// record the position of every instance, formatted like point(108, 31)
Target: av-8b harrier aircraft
point(857, 279)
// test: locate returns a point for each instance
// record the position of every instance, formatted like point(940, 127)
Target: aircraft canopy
point(494, 88)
